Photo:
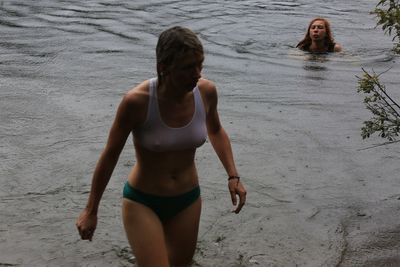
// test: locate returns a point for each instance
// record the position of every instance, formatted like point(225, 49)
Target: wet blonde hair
point(172, 45)
point(306, 42)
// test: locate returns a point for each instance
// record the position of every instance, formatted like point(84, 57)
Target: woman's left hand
point(237, 188)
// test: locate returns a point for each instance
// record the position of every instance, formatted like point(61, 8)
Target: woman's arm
point(120, 130)
point(222, 146)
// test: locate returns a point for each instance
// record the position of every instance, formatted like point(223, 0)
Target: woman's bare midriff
point(164, 173)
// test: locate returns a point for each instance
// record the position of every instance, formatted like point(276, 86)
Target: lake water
point(319, 195)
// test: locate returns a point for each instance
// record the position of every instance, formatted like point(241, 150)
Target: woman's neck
point(318, 46)
point(170, 92)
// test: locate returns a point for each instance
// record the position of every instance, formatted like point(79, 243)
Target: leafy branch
point(386, 112)
point(388, 14)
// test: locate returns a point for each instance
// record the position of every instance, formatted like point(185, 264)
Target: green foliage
point(388, 14)
point(386, 112)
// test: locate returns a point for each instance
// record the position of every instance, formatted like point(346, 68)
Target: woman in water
point(319, 38)
point(170, 116)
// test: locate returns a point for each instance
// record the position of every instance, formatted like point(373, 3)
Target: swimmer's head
point(317, 22)
point(326, 33)
point(173, 44)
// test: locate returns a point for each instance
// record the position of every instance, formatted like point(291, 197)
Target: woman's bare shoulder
point(337, 48)
point(209, 94)
point(133, 106)
point(138, 93)
point(207, 87)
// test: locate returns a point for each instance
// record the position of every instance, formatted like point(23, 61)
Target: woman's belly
point(164, 173)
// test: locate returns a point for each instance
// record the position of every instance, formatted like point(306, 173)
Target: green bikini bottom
point(166, 207)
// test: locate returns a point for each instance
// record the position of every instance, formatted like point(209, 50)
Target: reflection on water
point(315, 67)
point(315, 57)
point(315, 62)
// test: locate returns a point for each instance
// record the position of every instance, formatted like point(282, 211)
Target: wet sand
point(318, 195)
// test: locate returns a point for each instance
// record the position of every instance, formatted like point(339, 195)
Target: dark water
point(315, 198)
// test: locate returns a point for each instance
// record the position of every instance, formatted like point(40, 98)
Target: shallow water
point(319, 195)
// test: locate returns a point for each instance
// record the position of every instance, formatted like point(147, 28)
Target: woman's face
point(186, 70)
point(317, 30)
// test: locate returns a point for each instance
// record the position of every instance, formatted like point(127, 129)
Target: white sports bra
point(155, 135)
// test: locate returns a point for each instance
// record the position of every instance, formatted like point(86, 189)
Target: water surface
point(315, 198)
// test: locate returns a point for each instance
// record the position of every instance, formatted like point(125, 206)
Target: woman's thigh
point(181, 234)
point(145, 234)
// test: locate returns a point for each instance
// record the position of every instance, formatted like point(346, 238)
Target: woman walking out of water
point(170, 116)
point(319, 38)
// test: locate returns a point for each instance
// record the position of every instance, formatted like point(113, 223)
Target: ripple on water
point(64, 65)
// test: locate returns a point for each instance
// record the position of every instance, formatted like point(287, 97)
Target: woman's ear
point(162, 69)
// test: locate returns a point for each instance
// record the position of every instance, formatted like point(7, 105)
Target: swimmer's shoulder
point(135, 103)
point(208, 92)
point(207, 88)
point(337, 48)
point(138, 95)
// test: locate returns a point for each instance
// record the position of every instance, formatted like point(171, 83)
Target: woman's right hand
point(86, 224)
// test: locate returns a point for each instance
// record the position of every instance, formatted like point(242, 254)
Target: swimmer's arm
point(126, 119)
point(120, 130)
point(217, 135)
point(222, 146)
